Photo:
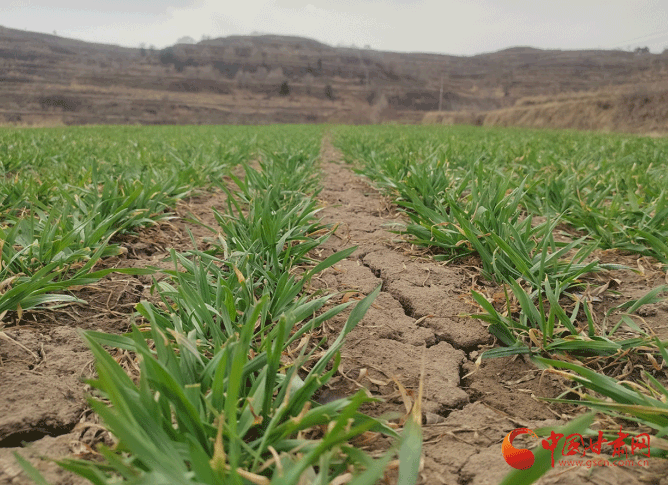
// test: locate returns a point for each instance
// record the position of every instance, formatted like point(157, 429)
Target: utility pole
point(364, 66)
point(440, 96)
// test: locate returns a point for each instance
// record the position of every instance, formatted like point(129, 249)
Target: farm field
point(310, 304)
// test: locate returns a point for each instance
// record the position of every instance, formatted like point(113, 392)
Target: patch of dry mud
point(468, 409)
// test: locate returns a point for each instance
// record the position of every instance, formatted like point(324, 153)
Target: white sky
point(458, 27)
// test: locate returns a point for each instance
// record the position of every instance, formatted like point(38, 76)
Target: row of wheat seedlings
point(480, 192)
point(486, 209)
point(230, 360)
point(64, 196)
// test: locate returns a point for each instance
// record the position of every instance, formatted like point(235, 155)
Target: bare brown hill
point(627, 108)
point(268, 78)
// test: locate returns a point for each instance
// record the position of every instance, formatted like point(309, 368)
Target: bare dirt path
point(468, 411)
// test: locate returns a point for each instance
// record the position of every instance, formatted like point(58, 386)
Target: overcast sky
point(458, 27)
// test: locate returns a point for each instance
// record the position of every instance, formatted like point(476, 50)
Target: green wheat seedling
point(220, 396)
point(643, 402)
point(212, 417)
point(610, 187)
point(464, 197)
point(45, 286)
point(66, 193)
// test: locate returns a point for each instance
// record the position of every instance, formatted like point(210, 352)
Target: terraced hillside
point(47, 79)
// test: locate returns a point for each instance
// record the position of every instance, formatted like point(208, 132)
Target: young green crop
point(222, 396)
point(65, 194)
point(534, 206)
point(643, 402)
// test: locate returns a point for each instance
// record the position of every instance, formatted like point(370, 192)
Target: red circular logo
point(519, 458)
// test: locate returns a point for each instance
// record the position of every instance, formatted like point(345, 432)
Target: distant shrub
point(168, 56)
point(285, 89)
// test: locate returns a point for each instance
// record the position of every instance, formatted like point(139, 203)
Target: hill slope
point(270, 78)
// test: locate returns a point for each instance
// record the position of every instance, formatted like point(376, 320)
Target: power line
point(644, 37)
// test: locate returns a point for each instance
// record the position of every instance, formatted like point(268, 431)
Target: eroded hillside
point(45, 79)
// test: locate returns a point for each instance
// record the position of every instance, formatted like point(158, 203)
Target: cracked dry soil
point(468, 410)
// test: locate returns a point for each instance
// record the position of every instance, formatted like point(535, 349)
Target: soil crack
point(35, 433)
point(388, 342)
